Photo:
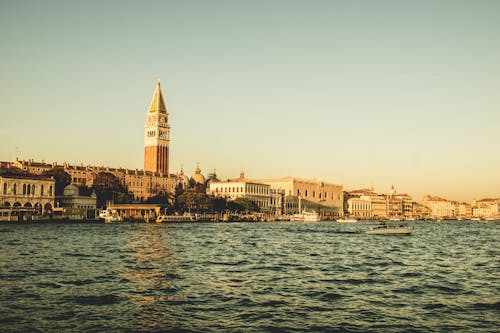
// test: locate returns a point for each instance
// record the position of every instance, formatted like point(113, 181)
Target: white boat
point(347, 220)
point(110, 216)
point(385, 229)
point(175, 218)
point(306, 216)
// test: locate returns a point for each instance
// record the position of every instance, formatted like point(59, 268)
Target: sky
point(359, 93)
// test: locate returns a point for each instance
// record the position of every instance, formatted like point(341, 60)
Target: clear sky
point(359, 93)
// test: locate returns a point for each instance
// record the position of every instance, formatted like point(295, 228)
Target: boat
point(347, 220)
point(175, 218)
point(110, 216)
point(385, 229)
point(306, 216)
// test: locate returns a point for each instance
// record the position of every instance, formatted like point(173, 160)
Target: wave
point(95, 300)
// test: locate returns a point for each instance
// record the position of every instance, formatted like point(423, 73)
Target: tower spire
point(158, 102)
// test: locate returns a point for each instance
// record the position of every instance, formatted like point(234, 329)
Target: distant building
point(439, 207)
point(463, 210)
point(486, 208)
point(35, 193)
point(359, 207)
point(77, 206)
point(382, 206)
point(324, 197)
point(259, 193)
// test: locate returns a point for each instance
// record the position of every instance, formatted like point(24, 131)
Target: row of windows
point(27, 189)
point(320, 195)
point(361, 205)
point(135, 184)
point(79, 180)
point(229, 190)
point(250, 190)
point(253, 189)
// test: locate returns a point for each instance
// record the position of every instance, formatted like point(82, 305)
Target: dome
point(183, 179)
point(71, 190)
point(212, 178)
point(198, 177)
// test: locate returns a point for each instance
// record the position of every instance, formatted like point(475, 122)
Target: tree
point(243, 205)
point(194, 202)
point(108, 188)
point(219, 204)
point(61, 177)
point(161, 198)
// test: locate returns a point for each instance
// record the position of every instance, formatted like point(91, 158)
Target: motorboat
point(385, 229)
point(306, 216)
point(175, 218)
point(110, 216)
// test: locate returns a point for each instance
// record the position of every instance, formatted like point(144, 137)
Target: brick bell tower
point(157, 135)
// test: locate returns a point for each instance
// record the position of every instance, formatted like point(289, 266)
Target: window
point(41, 190)
point(306, 193)
point(50, 190)
point(33, 189)
point(15, 189)
point(4, 188)
point(24, 189)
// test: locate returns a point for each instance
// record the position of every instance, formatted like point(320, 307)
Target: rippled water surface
point(245, 277)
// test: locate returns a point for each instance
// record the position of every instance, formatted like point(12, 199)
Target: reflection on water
point(149, 270)
point(248, 277)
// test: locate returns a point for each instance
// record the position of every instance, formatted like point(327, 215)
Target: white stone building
point(241, 188)
point(34, 193)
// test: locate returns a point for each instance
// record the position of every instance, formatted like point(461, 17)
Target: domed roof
point(198, 177)
point(71, 190)
point(184, 180)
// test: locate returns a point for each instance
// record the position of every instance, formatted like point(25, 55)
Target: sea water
point(249, 277)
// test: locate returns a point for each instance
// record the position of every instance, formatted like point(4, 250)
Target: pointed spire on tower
point(158, 102)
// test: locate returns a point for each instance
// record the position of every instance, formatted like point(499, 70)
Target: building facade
point(76, 206)
point(323, 197)
point(29, 192)
point(439, 207)
point(259, 193)
point(486, 208)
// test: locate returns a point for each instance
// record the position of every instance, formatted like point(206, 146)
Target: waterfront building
point(141, 184)
point(379, 206)
point(399, 205)
point(259, 193)
point(463, 210)
point(383, 206)
point(360, 208)
point(76, 206)
point(31, 194)
point(486, 208)
point(439, 207)
point(323, 197)
point(420, 211)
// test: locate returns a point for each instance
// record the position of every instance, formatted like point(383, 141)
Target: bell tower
point(157, 135)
